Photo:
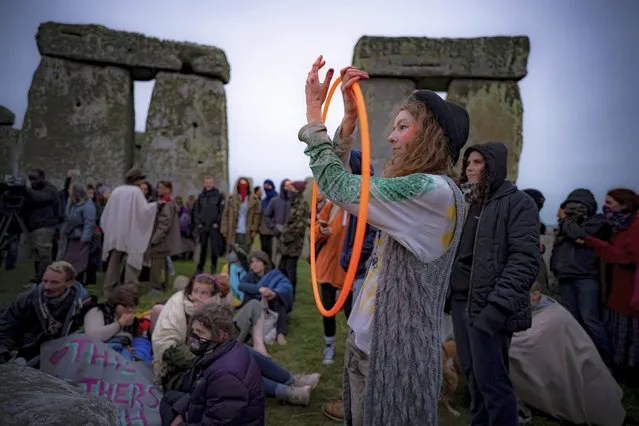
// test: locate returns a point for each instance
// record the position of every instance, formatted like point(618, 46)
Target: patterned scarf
point(50, 308)
point(620, 221)
point(470, 191)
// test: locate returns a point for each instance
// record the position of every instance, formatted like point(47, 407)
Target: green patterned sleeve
point(342, 187)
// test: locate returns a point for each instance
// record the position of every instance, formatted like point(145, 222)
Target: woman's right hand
point(350, 75)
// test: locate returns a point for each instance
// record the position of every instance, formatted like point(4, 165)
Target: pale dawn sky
point(579, 96)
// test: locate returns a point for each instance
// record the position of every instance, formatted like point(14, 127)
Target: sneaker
point(334, 410)
point(329, 354)
point(298, 396)
point(301, 380)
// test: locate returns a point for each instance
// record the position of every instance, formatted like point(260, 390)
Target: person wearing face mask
point(172, 356)
point(621, 209)
point(51, 310)
point(224, 386)
point(266, 235)
point(275, 216)
point(416, 207)
point(242, 215)
point(115, 323)
point(578, 268)
point(497, 262)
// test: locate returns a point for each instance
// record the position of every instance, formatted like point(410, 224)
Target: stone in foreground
point(496, 114)
point(30, 397)
point(496, 58)
point(80, 116)
point(186, 133)
point(145, 56)
point(7, 117)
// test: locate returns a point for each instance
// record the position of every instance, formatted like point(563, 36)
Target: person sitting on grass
point(249, 318)
point(264, 282)
point(555, 367)
point(172, 356)
point(51, 310)
point(115, 323)
point(224, 385)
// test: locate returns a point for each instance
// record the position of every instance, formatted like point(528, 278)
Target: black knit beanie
point(452, 118)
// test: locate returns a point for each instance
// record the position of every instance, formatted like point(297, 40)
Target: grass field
point(302, 354)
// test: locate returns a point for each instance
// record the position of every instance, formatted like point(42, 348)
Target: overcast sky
point(579, 96)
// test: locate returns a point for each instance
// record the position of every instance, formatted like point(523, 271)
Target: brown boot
point(334, 410)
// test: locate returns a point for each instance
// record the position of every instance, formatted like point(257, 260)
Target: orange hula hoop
point(362, 214)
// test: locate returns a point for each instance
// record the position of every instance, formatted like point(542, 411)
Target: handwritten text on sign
point(101, 371)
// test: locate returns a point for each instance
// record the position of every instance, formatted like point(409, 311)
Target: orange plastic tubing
point(360, 230)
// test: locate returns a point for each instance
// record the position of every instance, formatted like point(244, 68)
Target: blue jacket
point(369, 238)
point(274, 280)
point(80, 222)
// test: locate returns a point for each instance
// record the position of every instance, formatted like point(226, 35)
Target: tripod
point(7, 230)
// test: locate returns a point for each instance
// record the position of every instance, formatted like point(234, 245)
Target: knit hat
point(300, 185)
point(452, 118)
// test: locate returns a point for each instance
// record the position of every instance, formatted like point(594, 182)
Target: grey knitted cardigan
point(405, 366)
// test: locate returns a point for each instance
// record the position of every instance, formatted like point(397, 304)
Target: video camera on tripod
point(13, 193)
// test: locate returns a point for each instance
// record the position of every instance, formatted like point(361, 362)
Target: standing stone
point(496, 113)
point(80, 116)
point(382, 96)
point(186, 133)
point(9, 138)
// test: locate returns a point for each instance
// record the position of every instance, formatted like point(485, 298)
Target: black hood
point(496, 157)
point(582, 196)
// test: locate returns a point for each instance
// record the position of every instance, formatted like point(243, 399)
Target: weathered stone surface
point(9, 139)
point(383, 96)
point(144, 55)
point(30, 397)
point(495, 58)
point(496, 113)
point(79, 117)
point(186, 133)
point(7, 117)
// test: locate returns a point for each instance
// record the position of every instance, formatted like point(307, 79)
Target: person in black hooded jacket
point(496, 264)
point(206, 219)
point(576, 266)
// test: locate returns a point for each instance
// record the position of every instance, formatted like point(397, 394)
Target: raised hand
point(350, 75)
point(316, 91)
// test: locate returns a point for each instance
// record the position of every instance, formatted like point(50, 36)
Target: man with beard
point(51, 310)
point(496, 264)
point(207, 215)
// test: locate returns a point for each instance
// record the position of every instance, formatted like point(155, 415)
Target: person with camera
point(577, 266)
point(42, 216)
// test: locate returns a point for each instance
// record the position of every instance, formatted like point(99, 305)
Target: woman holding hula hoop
point(392, 363)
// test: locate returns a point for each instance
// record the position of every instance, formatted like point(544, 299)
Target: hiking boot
point(334, 410)
point(329, 355)
point(301, 380)
point(298, 396)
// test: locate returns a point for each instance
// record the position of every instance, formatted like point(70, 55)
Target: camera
point(13, 191)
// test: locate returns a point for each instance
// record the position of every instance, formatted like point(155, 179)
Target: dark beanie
point(452, 118)
point(262, 256)
point(300, 185)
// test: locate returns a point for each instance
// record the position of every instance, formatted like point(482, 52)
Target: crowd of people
point(437, 248)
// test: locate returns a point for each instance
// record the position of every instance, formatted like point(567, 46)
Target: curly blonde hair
point(428, 151)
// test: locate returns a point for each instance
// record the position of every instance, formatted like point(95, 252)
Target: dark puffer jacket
point(570, 260)
point(506, 252)
point(225, 388)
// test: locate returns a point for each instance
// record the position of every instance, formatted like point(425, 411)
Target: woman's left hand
point(316, 91)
